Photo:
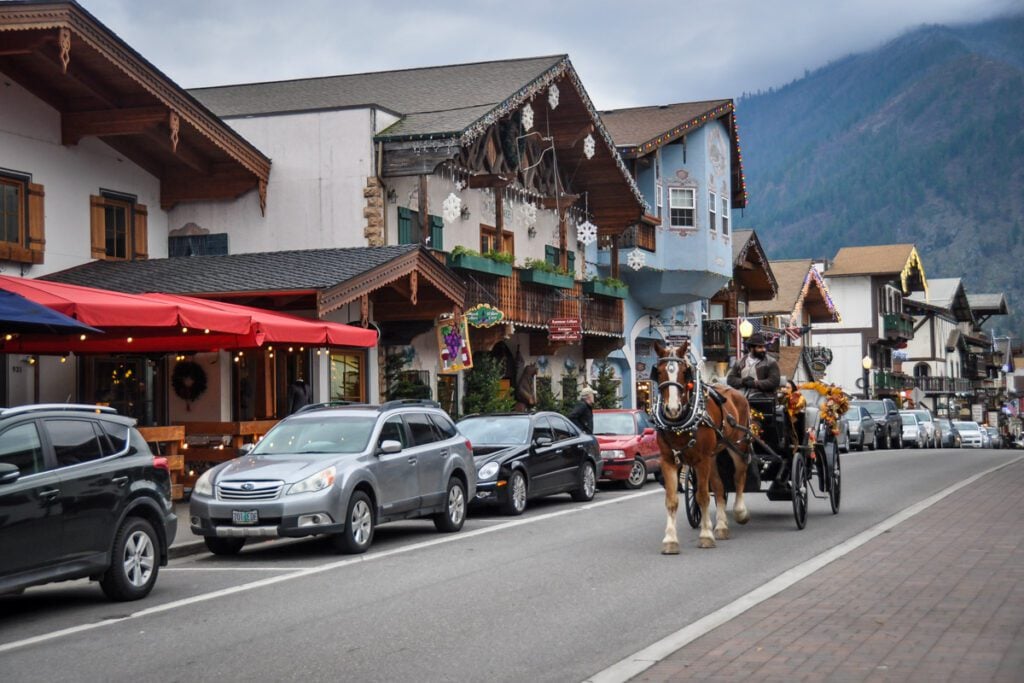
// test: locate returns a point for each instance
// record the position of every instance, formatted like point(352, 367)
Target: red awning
point(152, 323)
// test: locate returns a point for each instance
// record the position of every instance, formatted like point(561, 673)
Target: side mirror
point(9, 473)
point(648, 431)
point(390, 446)
point(541, 441)
point(246, 449)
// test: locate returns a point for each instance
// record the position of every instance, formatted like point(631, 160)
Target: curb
point(186, 549)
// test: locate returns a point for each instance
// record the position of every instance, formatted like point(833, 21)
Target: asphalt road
point(556, 595)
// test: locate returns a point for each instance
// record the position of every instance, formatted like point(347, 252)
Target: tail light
point(469, 446)
point(161, 463)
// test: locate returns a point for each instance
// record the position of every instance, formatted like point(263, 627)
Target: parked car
point(931, 427)
point(995, 438)
point(889, 433)
point(914, 433)
point(339, 472)
point(861, 427)
point(950, 437)
point(970, 434)
point(81, 496)
point(843, 437)
point(520, 457)
point(986, 439)
point(629, 446)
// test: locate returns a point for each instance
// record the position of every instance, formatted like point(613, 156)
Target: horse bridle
point(697, 411)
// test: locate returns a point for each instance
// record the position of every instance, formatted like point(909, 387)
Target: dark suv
point(339, 472)
point(81, 495)
point(889, 431)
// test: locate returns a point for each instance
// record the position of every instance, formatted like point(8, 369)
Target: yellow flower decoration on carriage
point(834, 403)
point(756, 418)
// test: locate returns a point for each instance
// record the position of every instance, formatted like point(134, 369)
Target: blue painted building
point(685, 159)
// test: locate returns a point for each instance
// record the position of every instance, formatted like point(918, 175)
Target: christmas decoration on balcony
point(553, 96)
point(451, 209)
point(527, 214)
point(586, 232)
point(636, 259)
point(589, 146)
point(526, 116)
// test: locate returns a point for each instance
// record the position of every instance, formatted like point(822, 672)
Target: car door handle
point(49, 494)
point(412, 460)
point(443, 452)
point(120, 481)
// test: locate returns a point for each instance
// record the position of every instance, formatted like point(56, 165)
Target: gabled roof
point(944, 294)
point(801, 288)
point(103, 88)
point(642, 130)
point(882, 259)
point(333, 276)
point(988, 304)
point(750, 266)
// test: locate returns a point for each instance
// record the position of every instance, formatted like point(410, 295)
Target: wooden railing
point(169, 441)
point(531, 304)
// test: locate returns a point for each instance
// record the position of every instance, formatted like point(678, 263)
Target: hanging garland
point(188, 380)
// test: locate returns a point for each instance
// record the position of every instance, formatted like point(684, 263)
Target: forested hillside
point(921, 140)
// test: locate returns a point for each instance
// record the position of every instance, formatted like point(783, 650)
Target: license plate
point(245, 516)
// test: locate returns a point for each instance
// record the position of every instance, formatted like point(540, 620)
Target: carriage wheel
point(800, 484)
point(835, 485)
point(690, 498)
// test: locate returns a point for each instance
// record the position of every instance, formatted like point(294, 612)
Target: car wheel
point(587, 483)
point(897, 443)
point(637, 475)
point(223, 546)
point(359, 524)
point(860, 444)
point(515, 496)
point(135, 562)
point(453, 516)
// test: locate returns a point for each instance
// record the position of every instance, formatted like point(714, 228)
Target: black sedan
point(520, 456)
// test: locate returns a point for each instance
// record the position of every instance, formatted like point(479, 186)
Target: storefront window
point(347, 377)
point(643, 395)
point(448, 393)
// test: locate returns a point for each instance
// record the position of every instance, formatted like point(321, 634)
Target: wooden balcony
point(898, 327)
point(534, 305)
point(641, 236)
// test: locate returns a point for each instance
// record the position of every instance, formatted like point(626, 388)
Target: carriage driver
point(757, 373)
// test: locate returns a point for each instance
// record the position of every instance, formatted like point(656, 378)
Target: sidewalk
point(940, 597)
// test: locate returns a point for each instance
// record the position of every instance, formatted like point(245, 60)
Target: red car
point(628, 445)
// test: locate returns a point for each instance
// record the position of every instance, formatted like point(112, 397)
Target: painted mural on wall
point(453, 342)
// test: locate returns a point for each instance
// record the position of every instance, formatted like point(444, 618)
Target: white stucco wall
point(30, 143)
point(846, 368)
point(852, 296)
point(320, 162)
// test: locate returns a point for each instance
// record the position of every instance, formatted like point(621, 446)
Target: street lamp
point(866, 363)
point(746, 329)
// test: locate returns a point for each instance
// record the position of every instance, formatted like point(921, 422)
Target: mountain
point(921, 140)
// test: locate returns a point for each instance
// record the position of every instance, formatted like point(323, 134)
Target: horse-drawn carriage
point(714, 441)
point(793, 458)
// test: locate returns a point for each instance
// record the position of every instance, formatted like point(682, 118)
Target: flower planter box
point(480, 264)
point(540, 277)
point(601, 289)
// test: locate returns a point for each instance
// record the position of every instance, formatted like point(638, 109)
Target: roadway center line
point(231, 569)
point(640, 661)
point(310, 571)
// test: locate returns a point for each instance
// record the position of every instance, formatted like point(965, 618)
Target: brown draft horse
point(693, 424)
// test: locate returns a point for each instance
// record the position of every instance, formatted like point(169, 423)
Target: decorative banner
point(453, 343)
point(484, 315)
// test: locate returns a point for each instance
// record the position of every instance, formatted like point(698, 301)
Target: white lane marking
point(309, 571)
point(231, 569)
point(640, 661)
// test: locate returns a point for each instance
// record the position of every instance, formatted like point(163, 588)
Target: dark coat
point(768, 378)
point(582, 415)
point(299, 395)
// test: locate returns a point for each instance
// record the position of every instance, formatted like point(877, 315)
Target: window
point(422, 429)
point(119, 227)
point(444, 426)
point(20, 446)
point(409, 228)
point(21, 218)
point(118, 436)
point(552, 255)
point(712, 201)
point(542, 429)
point(725, 215)
point(682, 205)
point(346, 377)
point(74, 441)
point(563, 428)
point(658, 197)
point(489, 240)
point(393, 430)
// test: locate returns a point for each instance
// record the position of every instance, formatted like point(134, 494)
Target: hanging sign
point(484, 315)
point(564, 330)
point(453, 344)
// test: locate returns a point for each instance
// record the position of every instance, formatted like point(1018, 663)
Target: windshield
point(874, 408)
point(489, 431)
point(332, 435)
point(908, 418)
point(969, 426)
point(943, 423)
point(614, 423)
point(923, 415)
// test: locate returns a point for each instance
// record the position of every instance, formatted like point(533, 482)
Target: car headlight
point(204, 484)
point(317, 482)
point(613, 454)
point(488, 471)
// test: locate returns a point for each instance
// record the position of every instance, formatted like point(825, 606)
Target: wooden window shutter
point(437, 233)
point(404, 226)
point(551, 255)
point(140, 233)
point(98, 226)
point(571, 262)
point(36, 222)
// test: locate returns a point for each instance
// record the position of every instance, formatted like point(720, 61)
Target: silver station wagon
point(339, 471)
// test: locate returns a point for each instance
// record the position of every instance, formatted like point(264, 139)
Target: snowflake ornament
point(586, 232)
point(526, 116)
point(636, 259)
point(459, 185)
point(528, 214)
point(451, 208)
point(553, 96)
point(588, 146)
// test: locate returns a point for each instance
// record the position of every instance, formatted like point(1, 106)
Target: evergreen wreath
point(188, 380)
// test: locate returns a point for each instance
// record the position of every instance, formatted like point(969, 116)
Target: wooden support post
point(499, 215)
point(563, 238)
point(423, 207)
point(615, 257)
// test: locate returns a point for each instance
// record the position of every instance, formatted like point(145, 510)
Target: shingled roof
point(881, 259)
point(750, 266)
point(791, 275)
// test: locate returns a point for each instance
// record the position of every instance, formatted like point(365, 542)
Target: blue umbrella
point(21, 315)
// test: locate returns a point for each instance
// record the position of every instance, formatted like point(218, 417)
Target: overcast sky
point(627, 52)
